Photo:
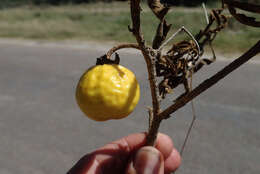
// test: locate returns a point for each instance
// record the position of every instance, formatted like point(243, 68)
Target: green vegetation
point(187, 3)
point(11, 3)
point(108, 22)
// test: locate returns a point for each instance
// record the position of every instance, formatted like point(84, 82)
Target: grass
point(108, 22)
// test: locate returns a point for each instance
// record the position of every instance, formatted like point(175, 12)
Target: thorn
point(130, 29)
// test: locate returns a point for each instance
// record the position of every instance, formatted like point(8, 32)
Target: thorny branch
point(183, 59)
point(180, 61)
point(149, 56)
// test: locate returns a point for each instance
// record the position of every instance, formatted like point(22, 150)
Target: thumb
point(148, 160)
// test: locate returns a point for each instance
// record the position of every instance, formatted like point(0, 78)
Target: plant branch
point(121, 46)
point(146, 51)
point(149, 56)
point(244, 6)
point(211, 81)
point(136, 28)
point(250, 21)
point(168, 40)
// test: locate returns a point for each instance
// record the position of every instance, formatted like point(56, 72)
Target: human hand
point(129, 155)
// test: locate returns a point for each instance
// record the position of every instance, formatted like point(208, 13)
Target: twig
point(191, 124)
point(205, 12)
point(170, 38)
point(211, 81)
point(121, 46)
point(150, 62)
point(174, 35)
point(189, 33)
point(244, 6)
point(250, 21)
point(189, 130)
point(153, 131)
point(150, 112)
point(135, 14)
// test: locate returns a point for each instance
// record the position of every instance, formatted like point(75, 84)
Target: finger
point(83, 165)
point(112, 157)
point(116, 154)
point(164, 144)
point(135, 141)
point(129, 143)
point(148, 160)
point(173, 162)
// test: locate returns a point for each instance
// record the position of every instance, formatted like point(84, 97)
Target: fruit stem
point(121, 46)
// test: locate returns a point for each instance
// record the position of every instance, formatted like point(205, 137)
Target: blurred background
point(77, 20)
point(46, 45)
point(58, 2)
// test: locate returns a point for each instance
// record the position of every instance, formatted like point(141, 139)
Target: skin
point(130, 155)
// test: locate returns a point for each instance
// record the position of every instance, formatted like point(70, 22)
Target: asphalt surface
point(42, 131)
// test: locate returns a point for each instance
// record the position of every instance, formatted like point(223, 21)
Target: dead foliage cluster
point(177, 65)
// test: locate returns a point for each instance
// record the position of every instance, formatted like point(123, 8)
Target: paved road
point(42, 131)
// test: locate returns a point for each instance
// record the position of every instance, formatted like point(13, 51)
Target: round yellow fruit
point(107, 92)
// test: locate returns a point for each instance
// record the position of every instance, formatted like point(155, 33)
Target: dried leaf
point(161, 34)
point(158, 9)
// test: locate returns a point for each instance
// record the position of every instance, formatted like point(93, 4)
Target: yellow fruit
point(107, 92)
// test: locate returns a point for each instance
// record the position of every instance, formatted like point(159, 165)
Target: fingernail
point(148, 160)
